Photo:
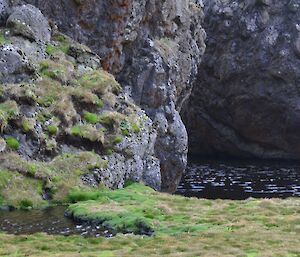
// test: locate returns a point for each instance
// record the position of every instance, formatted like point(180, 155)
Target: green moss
point(106, 120)
point(90, 117)
point(109, 151)
point(32, 169)
point(99, 82)
point(57, 49)
point(52, 129)
point(135, 128)
point(25, 126)
point(61, 45)
point(79, 196)
point(88, 132)
point(8, 111)
point(99, 103)
point(3, 40)
point(124, 126)
point(12, 143)
point(117, 140)
point(62, 71)
point(117, 215)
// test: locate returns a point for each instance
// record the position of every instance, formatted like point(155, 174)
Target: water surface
point(51, 221)
point(237, 180)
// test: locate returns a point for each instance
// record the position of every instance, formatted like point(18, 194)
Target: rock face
point(65, 123)
point(154, 48)
point(246, 98)
point(29, 22)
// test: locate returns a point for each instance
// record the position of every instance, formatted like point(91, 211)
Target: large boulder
point(29, 22)
point(154, 48)
point(246, 99)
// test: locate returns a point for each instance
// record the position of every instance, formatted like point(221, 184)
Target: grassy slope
point(184, 227)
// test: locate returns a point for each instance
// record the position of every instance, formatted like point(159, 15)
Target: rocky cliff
point(65, 123)
point(246, 98)
point(154, 48)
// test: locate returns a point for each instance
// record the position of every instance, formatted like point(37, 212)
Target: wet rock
point(14, 65)
point(246, 98)
point(29, 22)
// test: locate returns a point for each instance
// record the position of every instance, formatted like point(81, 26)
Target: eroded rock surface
point(29, 22)
point(65, 123)
point(154, 48)
point(246, 98)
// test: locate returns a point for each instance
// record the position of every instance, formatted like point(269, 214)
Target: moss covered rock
point(62, 118)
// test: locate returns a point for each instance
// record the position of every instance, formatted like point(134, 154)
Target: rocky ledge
point(65, 123)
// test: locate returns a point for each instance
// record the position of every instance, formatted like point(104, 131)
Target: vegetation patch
point(90, 117)
point(8, 110)
point(12, 143)
point(134, 209)
point(59, 177)
point(183, 227)
point(52, 129)
point(100, 82)
point(19, 191)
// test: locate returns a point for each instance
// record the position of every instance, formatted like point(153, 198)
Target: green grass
point(20, 178)
point(8, 111)
point(100, 82)
point(19, 191)
point(127, 209)
point(117, 140)
point(12, 143)
point(135, 128)
point(90, 117)
point(88, 132)
point(3, 39)
point(184, 227)
point(52, 129)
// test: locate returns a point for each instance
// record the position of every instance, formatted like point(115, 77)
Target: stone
point(2, 145)
point(245, 102)
point(14, 65)
point(4, 10)
point(154, 48)
point(29, 22)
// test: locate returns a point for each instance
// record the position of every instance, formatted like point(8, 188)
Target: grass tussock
point(183, 227)
point(22, 180)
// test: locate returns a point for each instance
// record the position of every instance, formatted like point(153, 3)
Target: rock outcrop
point(246, 98)
point(154, 48)
point(65, 123)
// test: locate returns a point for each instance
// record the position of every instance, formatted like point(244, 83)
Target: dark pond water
point(51, 221)
point(237, 180)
